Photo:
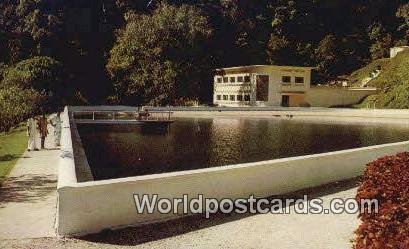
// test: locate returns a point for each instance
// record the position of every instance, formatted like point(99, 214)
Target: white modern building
point(261, 85)
point(269, 85)
point(396, 50)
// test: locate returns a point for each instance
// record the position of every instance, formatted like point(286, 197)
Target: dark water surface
point(194, 143)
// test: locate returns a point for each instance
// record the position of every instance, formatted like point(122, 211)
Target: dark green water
point(201, 143)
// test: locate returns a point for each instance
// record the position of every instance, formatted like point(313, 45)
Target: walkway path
point(280, 231)
point(28, 197)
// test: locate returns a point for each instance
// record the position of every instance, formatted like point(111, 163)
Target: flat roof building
point(261, 85)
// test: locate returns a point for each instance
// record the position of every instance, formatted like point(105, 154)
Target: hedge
point(387, 180)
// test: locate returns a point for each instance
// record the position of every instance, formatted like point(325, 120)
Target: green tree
point(278, 50)
point(41, 74)
point(403, 13)
point(381, 41)
point(161, 57)
point(16, 105)
point(327, 55)
point(32, 27)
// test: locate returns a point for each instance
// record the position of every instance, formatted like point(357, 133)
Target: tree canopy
point(139, 52)
point(31, 87)
point(161, 57)
point(16, 105)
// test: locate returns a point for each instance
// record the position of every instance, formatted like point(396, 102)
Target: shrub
point(41, 74)
point(187, 102)
point(17, 104)
point(387, 180)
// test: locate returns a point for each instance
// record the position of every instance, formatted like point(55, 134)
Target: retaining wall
point(330, 97)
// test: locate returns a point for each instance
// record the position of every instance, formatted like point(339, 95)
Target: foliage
point(403, 13)
point(337, 36)
point(28, 28)
point(31, 86)
point(385, 180)
point(382, 41)
point(333, 35)
point(40, 73)
point(278, 48)
point(17, 104)
point(357, 76)
point(327, 54)
point(43, 75)
point(392, 82)
point(160, 57)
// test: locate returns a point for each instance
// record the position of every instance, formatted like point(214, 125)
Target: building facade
point(261, 85)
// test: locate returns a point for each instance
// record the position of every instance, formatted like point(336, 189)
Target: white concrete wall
point(309, 114)
point(330, 97)
point(396, 50)
point(66, 170)
point(93, 206)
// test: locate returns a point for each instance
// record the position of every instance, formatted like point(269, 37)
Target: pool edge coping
point(73, 133)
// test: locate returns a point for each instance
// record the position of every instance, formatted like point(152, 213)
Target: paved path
point(28, 197)
point(280, 231)
point(288, 231)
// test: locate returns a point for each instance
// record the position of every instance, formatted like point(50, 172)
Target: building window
point(232, 79)
point(219, 97)
point(225, 97)
point(247, 97)
point(286, 79)
point(240, 79)
point(219, 79)
point(239, 97)
point(246, 78)
point(225, 79)
point(232, 97)
point(299, 80)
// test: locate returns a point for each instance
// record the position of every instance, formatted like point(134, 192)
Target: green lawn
point(360, 74)
point(392, 83)
point(12, 146)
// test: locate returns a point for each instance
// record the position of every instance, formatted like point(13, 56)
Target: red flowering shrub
point(387, 180)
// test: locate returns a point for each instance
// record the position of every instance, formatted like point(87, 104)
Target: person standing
point(32, 134)
point(42, 127)
point(56, 123)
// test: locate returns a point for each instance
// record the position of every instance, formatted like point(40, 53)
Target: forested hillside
point(392, 82)
point(158, 52)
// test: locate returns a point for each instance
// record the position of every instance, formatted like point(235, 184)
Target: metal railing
point(105, 115)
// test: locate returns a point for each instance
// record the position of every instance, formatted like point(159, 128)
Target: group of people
point(37, 127)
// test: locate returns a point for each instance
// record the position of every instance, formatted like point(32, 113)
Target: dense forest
point(56, 52)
